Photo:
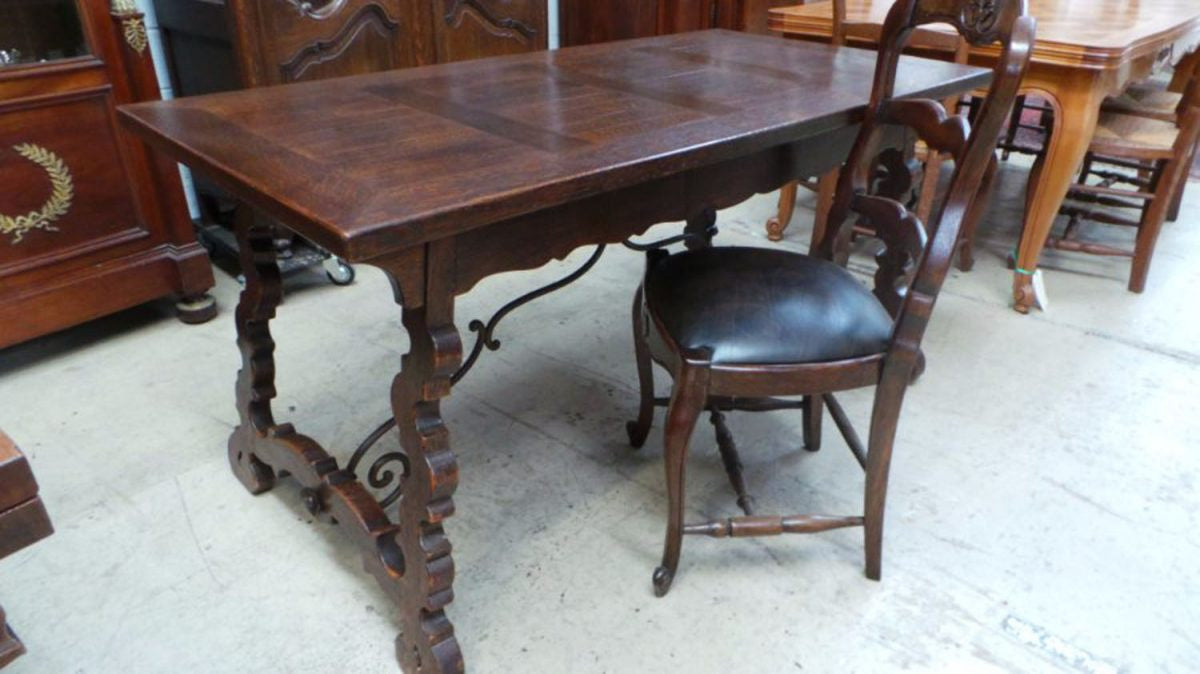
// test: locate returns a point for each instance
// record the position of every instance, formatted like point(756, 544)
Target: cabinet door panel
point(591, 21)
point(66, 185)
point(289, 40)
point(680, 16)
point(467, 29)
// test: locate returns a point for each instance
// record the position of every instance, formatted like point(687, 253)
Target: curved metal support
point(484, 331)
point(669, 241)
point(377, 476)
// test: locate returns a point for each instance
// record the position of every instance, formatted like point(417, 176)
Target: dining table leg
point(426, 643)
point(1076, 100)
point(406, 550)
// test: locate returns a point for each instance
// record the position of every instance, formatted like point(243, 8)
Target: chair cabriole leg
point(884, 418)
point(687, 402)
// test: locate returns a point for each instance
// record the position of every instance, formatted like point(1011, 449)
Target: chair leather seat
point(765, 306)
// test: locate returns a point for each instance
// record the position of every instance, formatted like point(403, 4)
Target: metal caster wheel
point(340, 272)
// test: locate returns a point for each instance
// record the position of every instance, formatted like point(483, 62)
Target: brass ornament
point(132, 25)
point(135, 33)
point(62, 193)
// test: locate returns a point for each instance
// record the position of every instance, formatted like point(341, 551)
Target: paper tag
point(1040, 298)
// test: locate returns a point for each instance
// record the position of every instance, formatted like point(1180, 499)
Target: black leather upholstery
point(763, 306)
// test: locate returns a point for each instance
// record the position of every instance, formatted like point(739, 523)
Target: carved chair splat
point(843, 32)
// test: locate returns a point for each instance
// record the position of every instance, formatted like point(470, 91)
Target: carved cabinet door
point(280, 41)
point(467, 29)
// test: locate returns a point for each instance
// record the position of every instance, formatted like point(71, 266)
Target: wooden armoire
point(90, 221)
point(215, 45)
point(219, 45)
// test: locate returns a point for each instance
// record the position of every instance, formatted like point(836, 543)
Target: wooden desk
point(1085, 50)
point(443, 175)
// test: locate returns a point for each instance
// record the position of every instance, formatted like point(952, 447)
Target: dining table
point(444, 175)
point(1085, 51)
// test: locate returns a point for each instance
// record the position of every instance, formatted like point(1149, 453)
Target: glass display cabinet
point(37, 31)
point(90, 221)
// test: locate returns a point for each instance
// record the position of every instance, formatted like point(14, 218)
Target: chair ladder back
point(917, 255)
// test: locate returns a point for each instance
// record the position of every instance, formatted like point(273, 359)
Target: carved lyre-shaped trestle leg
point(426, 643)
point(408, 555)
point(256, 379)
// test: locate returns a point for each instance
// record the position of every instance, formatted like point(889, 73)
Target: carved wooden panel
point(591, 21)
point(281, 41)
point(65, 184)
point(467, 29)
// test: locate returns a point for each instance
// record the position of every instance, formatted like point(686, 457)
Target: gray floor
point(1043, 512)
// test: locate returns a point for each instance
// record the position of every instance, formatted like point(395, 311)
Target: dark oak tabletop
point(371, 164)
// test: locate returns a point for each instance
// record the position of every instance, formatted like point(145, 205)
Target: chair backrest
point(844, 29)
point(917, 257)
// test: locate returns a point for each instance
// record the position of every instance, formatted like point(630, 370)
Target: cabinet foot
point(196, 309)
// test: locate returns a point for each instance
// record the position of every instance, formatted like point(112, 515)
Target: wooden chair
point(842, 32)
point(1140, 157)
point(736, 327)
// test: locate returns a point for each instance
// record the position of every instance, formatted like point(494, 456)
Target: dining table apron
point(441, 176)
point(1084, 52)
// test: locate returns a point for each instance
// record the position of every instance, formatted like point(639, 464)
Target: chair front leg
point(889, 397)
point(638, 430)
point(687, 403)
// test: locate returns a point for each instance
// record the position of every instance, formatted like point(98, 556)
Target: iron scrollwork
point(381, 474)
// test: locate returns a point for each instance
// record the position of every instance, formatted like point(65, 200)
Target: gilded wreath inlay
point(62, 193)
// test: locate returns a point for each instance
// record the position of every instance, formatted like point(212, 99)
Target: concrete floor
point(1043, 515)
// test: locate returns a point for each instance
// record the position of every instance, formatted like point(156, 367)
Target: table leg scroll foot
point(256, 476)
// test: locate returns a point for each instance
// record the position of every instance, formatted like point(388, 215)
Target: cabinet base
point(31, 307)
